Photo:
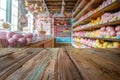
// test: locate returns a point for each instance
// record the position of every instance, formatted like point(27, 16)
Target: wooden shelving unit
point(100, 25)
point(62, 29)
point(60, 25)
point(110, 7)
point(106, 39)
point(91, 5)
point(77, 3)
point(64, 25)
point(75, 46)
point(97, 12)
point(83, 44)
point(80, 7)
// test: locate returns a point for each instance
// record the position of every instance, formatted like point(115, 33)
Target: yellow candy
point(105, 44)
point(100, 46)
point(109, 46)
point(116, 44)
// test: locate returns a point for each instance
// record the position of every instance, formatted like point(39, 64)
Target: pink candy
point(112, 33)
point(118, 33)
point(12, 42)
point(17, 36)
point(117, 28)
point(110, 28)
point(22, 41)
point(103, 29)
point(10, 35)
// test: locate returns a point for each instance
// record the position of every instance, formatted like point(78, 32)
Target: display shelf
point(75, 45)
point(92, 11)
point(80, 7)
point(62, 20)
point(110, 7)
point(105, 39)
point(63, 25)
point(60, 31)
point(77, 4)
point(58, 23)
point(60, 28)
point(92, 4)
point(100, 25)
point(63, 31)
point(83, 44)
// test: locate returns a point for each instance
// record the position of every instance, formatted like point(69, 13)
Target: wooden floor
point(62, 45)
point(59, 64)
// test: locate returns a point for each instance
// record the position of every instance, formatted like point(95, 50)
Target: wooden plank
point(11, 59)
point(18, 64)
point(79, 8)
point(37, 73)
point(106, 65)
point(28, 67)
point(48, 74)
point(64, 68)
point(9, 51)
point(59, 64)
point(76, 5)
point(101, 67)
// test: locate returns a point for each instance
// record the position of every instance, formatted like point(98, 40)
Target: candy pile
point(96, 43)
point(103, 32)
point(107, 17)
point(103, 5)
point(13, 39)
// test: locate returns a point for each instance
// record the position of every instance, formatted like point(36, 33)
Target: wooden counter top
point(97, 64)
point(59, 64)
point(46, 43)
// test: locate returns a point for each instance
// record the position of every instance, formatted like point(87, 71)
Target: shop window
point(30, 22)
point(3, 10)
point(14, 15)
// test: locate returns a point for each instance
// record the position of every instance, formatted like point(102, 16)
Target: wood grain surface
point(59, 64)
point(97, 64)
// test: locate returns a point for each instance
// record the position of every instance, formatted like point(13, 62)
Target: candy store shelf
point(86, 9)
point(62, 25)
point(80, 7)
point(83, 44)
point(105, 39)
point(113, 6)
point(76, 5)
point(75, 45)
point(100, 25)
point(60, 28)
point(62, 20)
